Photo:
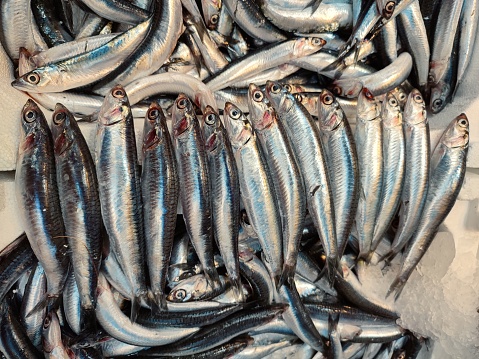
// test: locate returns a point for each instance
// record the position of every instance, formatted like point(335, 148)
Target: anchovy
point(195, 189)
point(117, 163)
point(49, 24)
point(416, 130)
point(160, 192)
point(117, 10)
point(284, 169)
point(91, 25)
point(120, 327)
point(72, 305)
point(15, 259)
point(255, 183)
point(53, 347)
point(37, 195)
point(260, 351)
point(306, 143)
point(273, 55)
point(255, 272)
point(80, 203)
point(394, 167)
point(369, 144)
point(342, 160)
point(468, 30)
point(448, 166)
point(225, 194)
point(197, 288)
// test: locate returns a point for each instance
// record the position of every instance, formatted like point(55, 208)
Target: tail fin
point(158, 303)
point(237, 288)
point(331, 265)
point(49, 301)
point(287, 275)
point(136, 305)
point(213, 278)
point(88, 320)
point(333, 320)
point(397, 286)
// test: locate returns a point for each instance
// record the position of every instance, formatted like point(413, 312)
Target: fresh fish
point(467, 30)
point(342, 160)
point(80, 203)
point(195, 192)
point(49, 23)
point(247, 14)
point(179, 255)
point(255, 272)
point(305, 140)
point(70, 73)
point(15, 342)
point(117, 10)
point(53, 347)
point(448, 166)
point(160, 192)
point(196, 288)
point(225, 194)
point(34, 292)
point(369, 144)
point(72, 305)
point(118, 325)
point(37, 197)
point(259, 351)
point(91, 25)
point(211, 12)
point(273, 55)
point(285, 173)
point(394, 167)
point(119, 187)
point(255, 184)
point(387, 42)
point(336, 348)
point(413, 197)
point(15, 259)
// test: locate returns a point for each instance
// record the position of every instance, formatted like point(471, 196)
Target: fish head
point(51, 332)
point(346, 88)
point(368, 106)
point(237, 126)
point(34, 128)
point(211, 12)
point(439, 96)
point(308, 100)
point(386, 8)
point(305, 46)
point(115, 107)
point(401, 96)
point(261, 113)
point(153, 130)
point(41, 79)
point(391, 111)
point(183, 115)
point(330, 113)
point(63, 135)
point(415, 108)
point(212, 129)
point(281, 99)
point(192, 288)
point(456, 133)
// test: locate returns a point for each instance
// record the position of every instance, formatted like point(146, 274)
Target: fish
point(160, 193)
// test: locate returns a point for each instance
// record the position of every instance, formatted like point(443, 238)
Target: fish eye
point(118, 93)
point(153, 114)
point(214, 19)
point(418, 98)
point(463, 122)
point(180, 294)
point(317, 41)
point(258, 96)
point(328, 100)
point(275, 88)
point(210, 119)
point(437, 103)
point(235, 114)
point(393, 102)
point(337, 90)
point(33, 78)
point(390, 6)
point(298, 97)
point(47, 322)
point(288, 87)
point(30, 116)
point(182, 103)
point(59, 117)
point(402, 96)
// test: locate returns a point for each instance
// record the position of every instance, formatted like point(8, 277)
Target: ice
point(441, 298)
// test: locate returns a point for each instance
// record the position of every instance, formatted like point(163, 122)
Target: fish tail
point(333, 320)
point(136, 305)
point(158, 303)
point(88, 320)
point(49, 301)
point(332, 264)
point(287, 275)
point(213, 278)
point(397, 286)
point(238, 290)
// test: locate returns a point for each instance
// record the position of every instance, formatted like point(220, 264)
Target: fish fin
point(397, 286)
point(135, 306)
point(158, 303)
point(333, 320)
point(332, 264)
point(88, 320)
point(49, 301)
point(237, 288)
point(287, 275)
point(213, 278)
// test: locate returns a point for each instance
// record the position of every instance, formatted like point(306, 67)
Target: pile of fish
point(283, 203)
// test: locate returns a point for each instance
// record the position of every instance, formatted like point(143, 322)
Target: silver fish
point(160, 192)
point(53, 347)
point(120, 188)
point(195, 189)
point(448, 167)
point(285, 173)
point(256, 188)
point(342, 160)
